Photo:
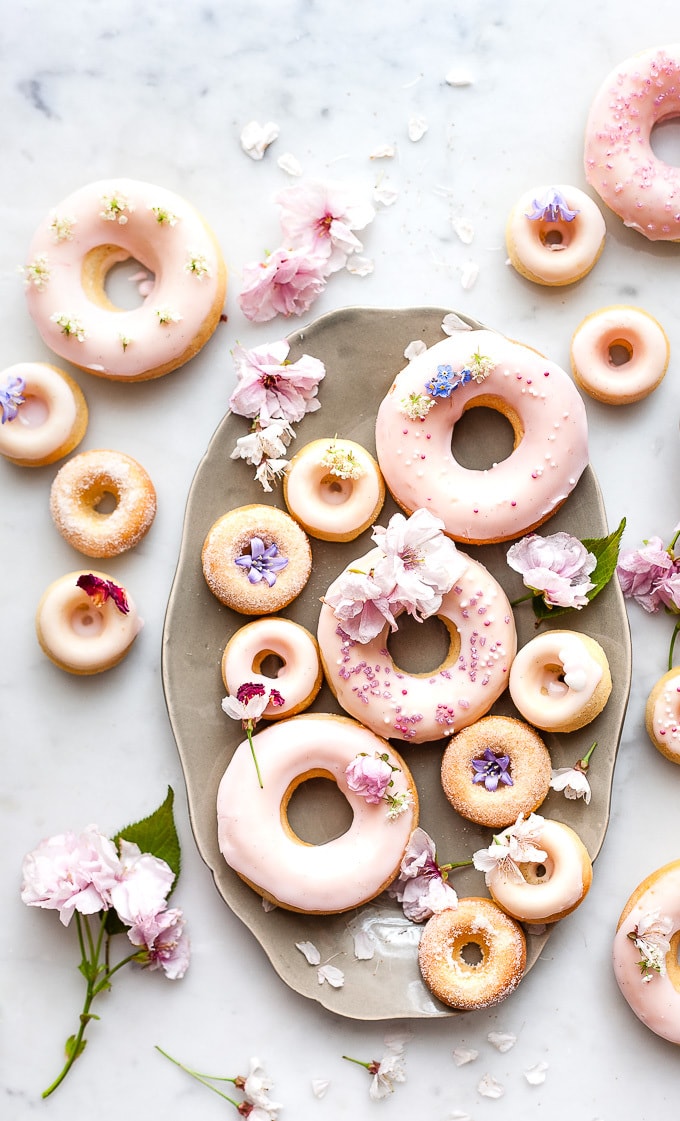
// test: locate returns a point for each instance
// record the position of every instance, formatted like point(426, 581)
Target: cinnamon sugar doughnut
point(256, 559)
point(86, 623)
point(299, 678)
point(495, 769)
point(89, 480)
point(444, 968)
point(51, 420)
point(334, 489)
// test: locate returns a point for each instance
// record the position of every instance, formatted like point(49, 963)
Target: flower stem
point(584, 763)
point(676, 629)
point(249, 733)
point(359, 1062)
point(522, 599)
point(204, 1079)
point(454, 865)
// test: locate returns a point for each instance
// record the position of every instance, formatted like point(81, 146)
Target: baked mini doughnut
point(334, 489)
point(450, 976)
point(560, 680)
point(625, 333)
point(299, 677)
point(257, 841)
point(549, 888)
point(425, 706)
point(417, 420)
point(51, 419)
point(94, 479)
point(86, 623)
point(554, 235)
point(75, 247)
point(256, 559)
point(495, 769)
point(662, 715)
point(619, 161)
point(645, 952)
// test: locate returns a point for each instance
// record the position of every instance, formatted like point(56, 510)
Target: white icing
point(553, 894)
point(561, 262)
point(81, 635)
point(299, 676)
point(49, 416)
point(326, 504)
point(552, 679)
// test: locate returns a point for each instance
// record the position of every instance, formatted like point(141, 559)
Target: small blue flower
point(553, 208)
point(446, 379)
point(11, 396)
point(492, 769)
point(262, 564)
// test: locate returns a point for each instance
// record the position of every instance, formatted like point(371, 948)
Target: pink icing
point(513, 495)
point(665, 716)
point(638, 333)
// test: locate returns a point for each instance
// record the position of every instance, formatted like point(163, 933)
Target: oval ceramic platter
point(363, 350)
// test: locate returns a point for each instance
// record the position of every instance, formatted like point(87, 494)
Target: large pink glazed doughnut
point(662, 715)
point(51, 419)
point(257, 841)
point(420, 707)
point(299, 677)
point(417, 418)
point(641, 342)
point(551, 888)
point(646, 952)
point(619, 162)
point(86, 623)
point(77, 244)
point(554, 235)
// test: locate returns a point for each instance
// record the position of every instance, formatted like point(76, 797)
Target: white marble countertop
point(161, 93)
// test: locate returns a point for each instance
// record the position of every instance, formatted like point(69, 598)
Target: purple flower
point(262, 563)
point(446, 379)
point(552, 208)
point(11, 396)
point(492, 769)
point(556, 567)
point(369, 777)
point(642, 571)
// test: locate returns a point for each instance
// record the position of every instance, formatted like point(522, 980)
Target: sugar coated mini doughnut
point(86, 623)
point(560, 680)
point(44, 413)
point(543, 889)
point(417, 419)
point(662, 715)
point(554, 235)
point(619, 354)
point(646, 952)
point(257, 841)
point(83, 488)
point(75, 247)
point(619, 162)
point(334, 489)
point(471, 985)
point(256, 559)
point(495, 769)
point(426, 706)
point(299, 677)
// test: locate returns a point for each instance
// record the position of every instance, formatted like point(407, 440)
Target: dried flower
point(651, 937)
point(111, 886)
point(551, 208)
point(248, 706)
point(99, 590)
point(572, 780)
point(255, 1086)
point(11, 397)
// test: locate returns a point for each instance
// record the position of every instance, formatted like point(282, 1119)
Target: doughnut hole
point(619, 352)
point(552, 237)
point(34, 411)
point(268, 664)
point(553, 684)
point(488, 432)
point(538, 872)
point(315, 809)
point(108, 278)
point(664, 141)
point(423, 648)
point(335, 491)
point(86, 621)
point(102, 497)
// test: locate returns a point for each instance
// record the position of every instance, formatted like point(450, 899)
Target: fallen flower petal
point(256, 138)
point(309, 951)
point(502, 1041)
point(490, 1088)
point(463, 1055)
point(320, 1087)
point(331, 975)
point(535, 1076)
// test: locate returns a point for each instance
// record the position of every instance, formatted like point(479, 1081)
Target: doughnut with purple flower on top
point(554, 235)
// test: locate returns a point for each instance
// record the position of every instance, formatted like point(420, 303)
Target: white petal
point(417, 127)
point(385, 193)
point(267, 905)
point(414, 349)
point(502, 1041)
point(458, 1115)
point(309, 951)
point(360, 266)
point(288, 163)
point(464, 229)
point(364, 945)
point(396, 1041)
point(453, 322)
point(319, 1087)
point(332, 975)
point(468, 274)
point(489, 1088)
point(536, 1074)
point(256, 138)
point(384, 152)
point(463, 1055)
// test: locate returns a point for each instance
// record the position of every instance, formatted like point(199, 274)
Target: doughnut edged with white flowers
point(78, 243)
point(560, 680)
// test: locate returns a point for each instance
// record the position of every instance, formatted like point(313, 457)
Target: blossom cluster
point(651, 937)
point(371, 776)
point(274, 393)
point(318, 221)
point(417, 564)
point(518, 844)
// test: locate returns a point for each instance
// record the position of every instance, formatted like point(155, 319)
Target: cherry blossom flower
point(99, 590)
point(572, 781)
point(360, 604)
point(286, 283)
point(11, 396)
point(271, 388)
point(651, 937)
point(386, 1072)
point(556, 567)
point(651, 576)
point(255, 1086)
point(71, 872)
point(319, 218)
point(252, 698)
point(518, 844)
point(419, 560)
point(421, 886)
point(142, 885)
point(165, 945)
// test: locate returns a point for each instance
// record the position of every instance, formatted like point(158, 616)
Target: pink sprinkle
point(476, 510)
point(534, 474)
point(513, 503)
point(404, 431)
point(404, 692)
point(428, 436)
point(546, 373)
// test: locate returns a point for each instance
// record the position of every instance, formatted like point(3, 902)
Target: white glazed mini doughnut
point(420, 707)
point(560, 680)
point(51, 419)
point(334, 489)
point(551, 887)
point(299, 678)
point(77, 244)
point(444, 968)
point(662, 715)
point(257, 841)
point(645, 952)
point(554, 235)
point(641, 343)
point(619, 162)
point(90, 480)
point(86, 623)
point(417, 418)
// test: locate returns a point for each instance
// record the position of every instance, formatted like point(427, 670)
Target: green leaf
point(157, 834)
point(74, 1047)
point(606, 552)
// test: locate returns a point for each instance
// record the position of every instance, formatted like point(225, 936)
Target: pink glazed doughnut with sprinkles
point(416, 420)
point(619, 162)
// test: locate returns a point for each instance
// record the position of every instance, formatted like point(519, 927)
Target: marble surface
point(161, 93)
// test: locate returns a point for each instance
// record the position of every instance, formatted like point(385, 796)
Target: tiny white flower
point(488, 1087)
point(270, 471)
point(417, 405)
point(341, 462)
point(572, 782)
point(452, 323)
point(256, 138)
point(37, 272)
point(197, 265)
point(288, 163)
point(463, 1055)
point(116, 208)
point(650, 936)
point(61, 226)
point(331, 975)
point(166, 315)
point(502, 1041)
point(535, 1076)
point(309, 952)
point(70, 326)
point(163, 216)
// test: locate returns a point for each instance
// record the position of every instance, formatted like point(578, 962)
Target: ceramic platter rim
point(362, 349)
